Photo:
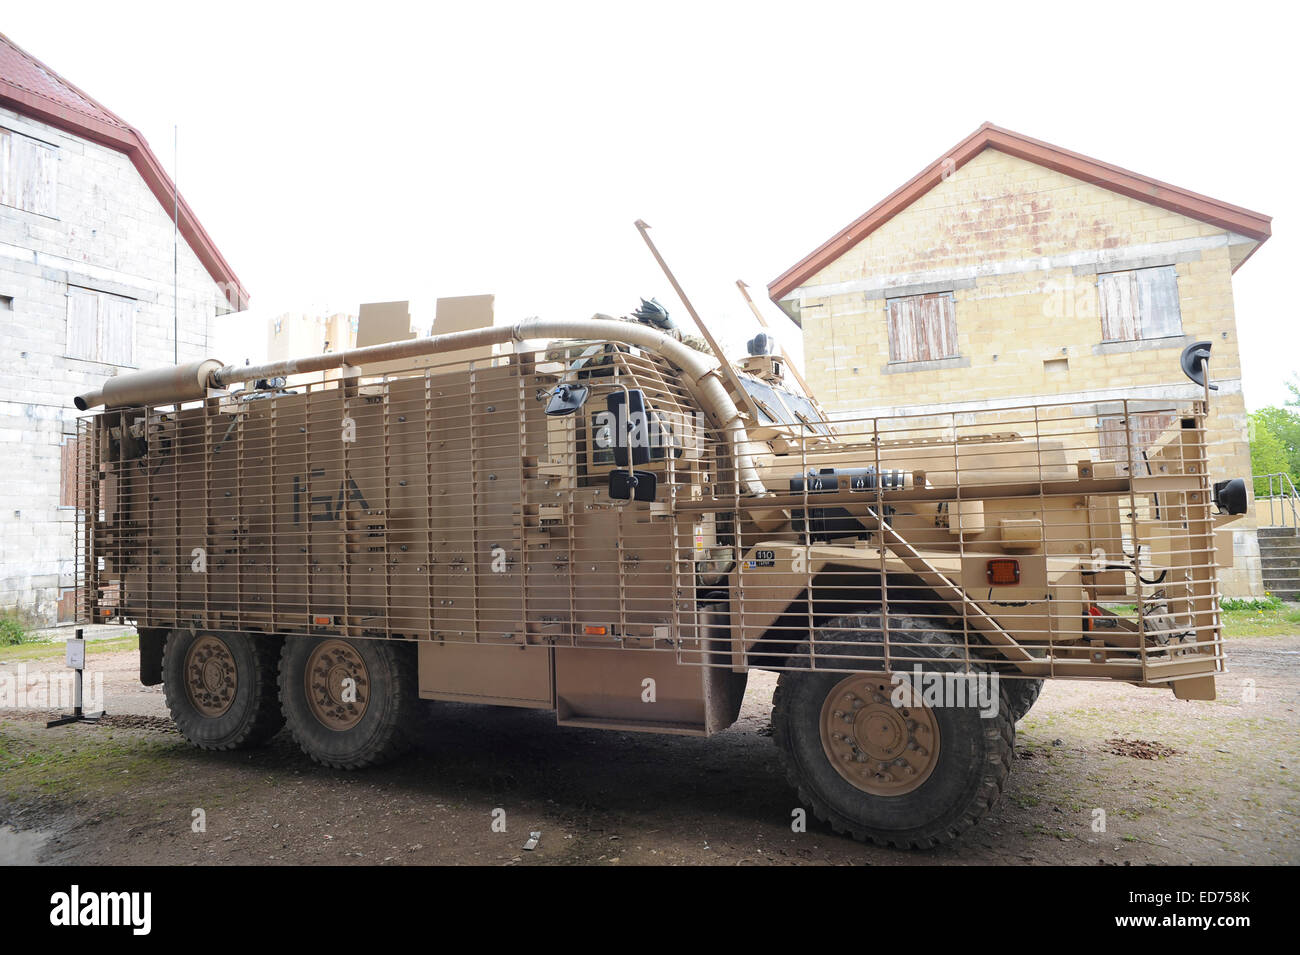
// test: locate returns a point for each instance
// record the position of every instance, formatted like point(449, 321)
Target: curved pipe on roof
point(189, 382)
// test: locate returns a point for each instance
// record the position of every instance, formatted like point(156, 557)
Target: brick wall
point(111, 235)
point(1020, 247)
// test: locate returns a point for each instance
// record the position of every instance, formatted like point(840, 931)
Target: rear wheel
point(349, 703)
point(221, 687)
point(878, 765)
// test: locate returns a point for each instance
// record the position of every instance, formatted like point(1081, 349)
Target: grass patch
point(16, 628)
point(33, 763)
point(1262, 621)
point(48, 650)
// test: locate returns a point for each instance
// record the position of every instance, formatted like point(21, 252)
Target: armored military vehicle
point(593, 518)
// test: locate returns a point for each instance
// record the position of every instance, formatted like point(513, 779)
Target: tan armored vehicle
point(593, 518)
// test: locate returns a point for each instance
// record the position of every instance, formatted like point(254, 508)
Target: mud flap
point(724, 689)
point(1194, 688)
point(151, 655)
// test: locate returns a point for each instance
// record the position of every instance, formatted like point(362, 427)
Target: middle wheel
point(349, 703)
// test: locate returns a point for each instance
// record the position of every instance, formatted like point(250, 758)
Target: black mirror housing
point(632, 485)
point(567, 399)
point(627, 408)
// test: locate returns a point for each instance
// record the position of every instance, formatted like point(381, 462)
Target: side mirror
point(628, 485)
point(1192, 360)
point(631, 428)
point(1230, 496)
point(566, 399)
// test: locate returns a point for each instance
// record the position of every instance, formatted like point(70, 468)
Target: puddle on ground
point(21, 847)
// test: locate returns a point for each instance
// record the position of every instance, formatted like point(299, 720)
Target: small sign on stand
point(75, 654)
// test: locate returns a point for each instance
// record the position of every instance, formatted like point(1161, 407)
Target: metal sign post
point(75, 654)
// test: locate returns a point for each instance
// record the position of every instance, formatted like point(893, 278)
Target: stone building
point(1011, 271)
point(87, 288)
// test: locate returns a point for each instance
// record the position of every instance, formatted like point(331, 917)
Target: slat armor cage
point(440, 503)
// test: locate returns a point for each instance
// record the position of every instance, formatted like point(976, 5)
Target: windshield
point(777, 406)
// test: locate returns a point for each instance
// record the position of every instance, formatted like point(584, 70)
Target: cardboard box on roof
point(390, 322)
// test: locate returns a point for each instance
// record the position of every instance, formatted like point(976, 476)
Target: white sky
point(344, 153)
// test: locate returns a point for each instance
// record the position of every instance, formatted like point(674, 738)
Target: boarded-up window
point(922, 327)
point(1145, 430)
point(28, 174)
point(101, 327)
point(1141, 303)
point(68, 483)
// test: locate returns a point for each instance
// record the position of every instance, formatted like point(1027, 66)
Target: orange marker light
point(1004, 571)
point(321, 621)
point(594, 631)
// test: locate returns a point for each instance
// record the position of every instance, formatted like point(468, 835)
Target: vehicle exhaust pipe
point(158, 386)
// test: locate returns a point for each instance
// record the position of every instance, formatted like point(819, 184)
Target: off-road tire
point(1019, 696)
point(969, 772)
point(391, 718)
point(253, 715)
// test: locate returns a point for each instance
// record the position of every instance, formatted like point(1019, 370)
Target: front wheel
point(1019, 696)
point(349, 703)
point(881, 766)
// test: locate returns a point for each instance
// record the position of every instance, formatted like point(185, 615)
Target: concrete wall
point(111, 235)
point(1020, 247)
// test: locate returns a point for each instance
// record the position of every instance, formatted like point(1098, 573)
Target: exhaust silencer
point(158, 386)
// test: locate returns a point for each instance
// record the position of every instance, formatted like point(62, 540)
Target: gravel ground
point(1179, 782)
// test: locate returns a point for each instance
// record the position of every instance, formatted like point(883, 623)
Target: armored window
point(922, 327)
point(1140, 303)
point(101, 327)
point(28, 174)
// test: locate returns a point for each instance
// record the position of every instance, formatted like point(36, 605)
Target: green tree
point(1269, 453)
point(1284, 424)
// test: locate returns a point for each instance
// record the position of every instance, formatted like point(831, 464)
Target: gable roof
point(30, 87)
point(1253, 225)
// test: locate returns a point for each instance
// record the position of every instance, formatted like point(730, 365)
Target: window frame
point(9, 196)
point(954, 343)
point(1139, 317)
point(1139, 430)
point(101, 319)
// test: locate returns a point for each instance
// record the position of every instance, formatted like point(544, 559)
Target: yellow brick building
point(1011, 271)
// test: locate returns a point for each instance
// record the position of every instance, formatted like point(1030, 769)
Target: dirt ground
point(1179, 783)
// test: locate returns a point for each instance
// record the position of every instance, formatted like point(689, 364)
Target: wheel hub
point(211, 678)
point(879, 748)
point(338, 684)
